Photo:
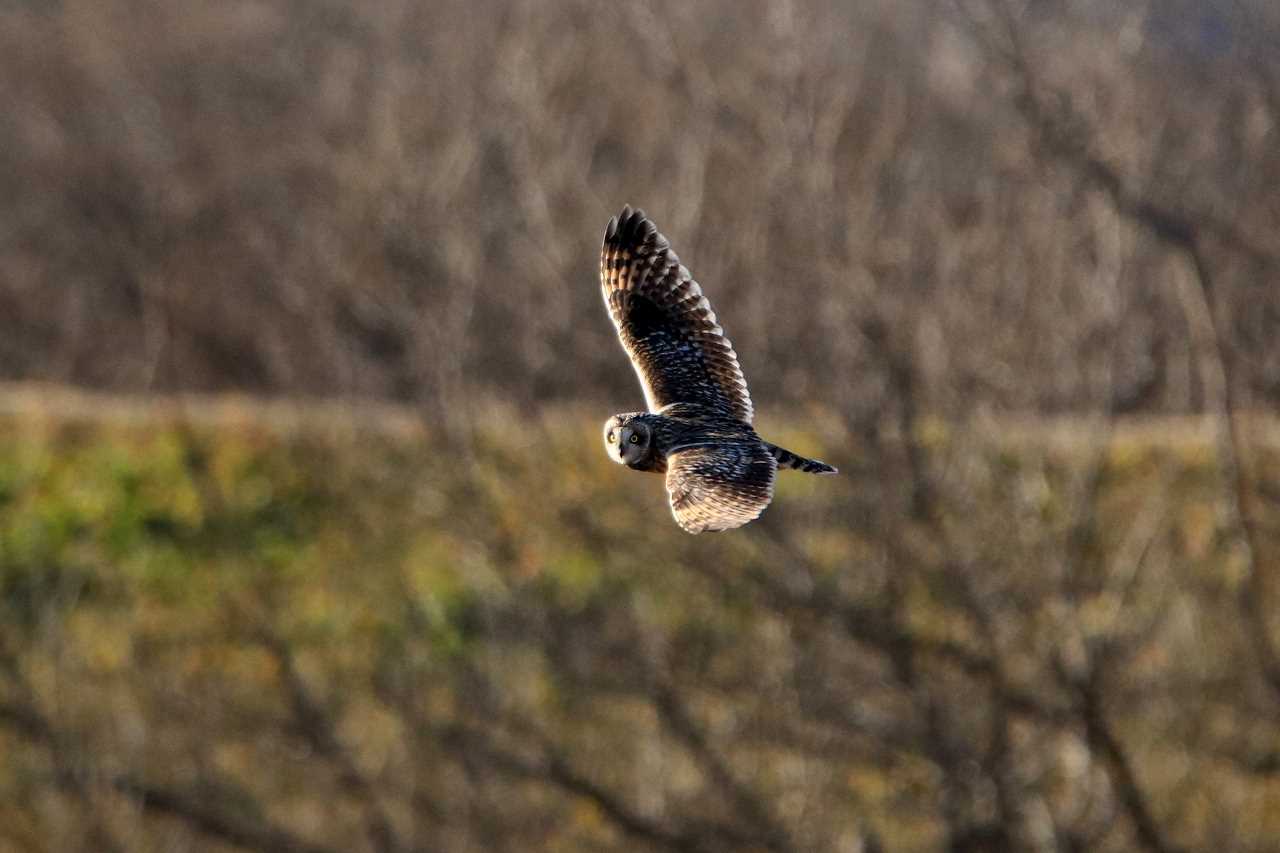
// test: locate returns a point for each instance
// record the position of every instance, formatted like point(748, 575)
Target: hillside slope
point(233, 625)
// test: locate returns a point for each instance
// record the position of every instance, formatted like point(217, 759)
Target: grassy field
point(229, 624)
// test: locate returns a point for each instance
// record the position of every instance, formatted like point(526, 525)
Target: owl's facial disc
point(626, 440)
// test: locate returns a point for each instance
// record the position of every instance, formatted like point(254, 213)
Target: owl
point(697, 431)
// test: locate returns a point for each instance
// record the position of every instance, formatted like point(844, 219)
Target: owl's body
point(697, 431)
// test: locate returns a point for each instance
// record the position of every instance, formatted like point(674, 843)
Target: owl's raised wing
point(720, 486)
point(665, 323)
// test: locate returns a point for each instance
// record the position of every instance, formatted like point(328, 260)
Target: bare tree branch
point(200, 813)
point(556, 768)
point(1103, 740)
point(671, 708)
point(317, 728)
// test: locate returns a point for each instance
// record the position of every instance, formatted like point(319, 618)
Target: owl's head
point(628, 439)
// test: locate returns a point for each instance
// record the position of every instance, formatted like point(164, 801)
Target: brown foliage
point(405, 199)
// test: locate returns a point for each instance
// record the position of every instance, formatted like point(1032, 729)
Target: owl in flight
point(698, 428)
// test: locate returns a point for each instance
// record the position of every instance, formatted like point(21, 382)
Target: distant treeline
point(954, 207)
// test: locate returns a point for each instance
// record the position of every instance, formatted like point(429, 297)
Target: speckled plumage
point(698, 429)
point(666, 324)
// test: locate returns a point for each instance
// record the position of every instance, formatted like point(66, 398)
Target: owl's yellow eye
point(612, 438)
point(635, 439)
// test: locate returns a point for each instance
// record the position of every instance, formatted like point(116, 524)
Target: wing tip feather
point(637, 257)
point(631, 227)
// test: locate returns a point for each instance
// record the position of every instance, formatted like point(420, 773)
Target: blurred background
point(307, 538)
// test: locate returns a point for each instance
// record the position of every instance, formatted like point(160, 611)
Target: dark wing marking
point(665, 323)
point(719, 487)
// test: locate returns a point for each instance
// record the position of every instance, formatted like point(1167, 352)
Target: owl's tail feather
point(787, 459)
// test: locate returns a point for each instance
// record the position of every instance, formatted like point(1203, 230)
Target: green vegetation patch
point(284, 619)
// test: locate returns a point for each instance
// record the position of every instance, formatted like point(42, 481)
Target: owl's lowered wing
point(665, 323)
point(720, 486)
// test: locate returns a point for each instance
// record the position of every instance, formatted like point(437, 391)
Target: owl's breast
point(654, 463)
